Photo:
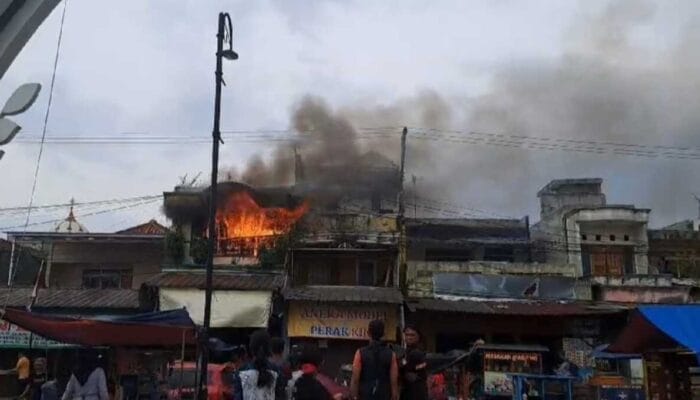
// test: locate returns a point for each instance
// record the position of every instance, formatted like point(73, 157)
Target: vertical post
point(400, 219)
point(11, 270)
point(216, 138)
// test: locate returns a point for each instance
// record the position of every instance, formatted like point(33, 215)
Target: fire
point(243, 227)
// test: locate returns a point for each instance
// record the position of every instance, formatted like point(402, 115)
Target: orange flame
point(247, 226)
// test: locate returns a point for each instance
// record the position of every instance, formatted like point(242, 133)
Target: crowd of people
point(261, 372)
point(379, 371)
point(84, 379)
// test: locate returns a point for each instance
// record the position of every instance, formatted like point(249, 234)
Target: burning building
point(248, 220)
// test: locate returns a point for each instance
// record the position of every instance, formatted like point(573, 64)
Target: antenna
point(697, 198)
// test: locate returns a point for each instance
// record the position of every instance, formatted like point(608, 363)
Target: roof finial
point(71, 217)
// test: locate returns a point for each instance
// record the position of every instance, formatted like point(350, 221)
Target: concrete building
point(105, 270)
point(577, 226)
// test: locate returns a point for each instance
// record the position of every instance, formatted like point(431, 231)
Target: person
point(374, 369)
point(38, 378)
point(304, 385)
point(277, 346)
point(87, 381)
point(53, 389)
point(23, 371)
point(413, 375)
point(259, 379)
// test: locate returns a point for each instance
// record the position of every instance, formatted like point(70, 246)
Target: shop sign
point(12, 336)
point(504, 356)
point(339, 321)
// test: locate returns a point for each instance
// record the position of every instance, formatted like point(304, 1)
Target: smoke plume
point(607, 86)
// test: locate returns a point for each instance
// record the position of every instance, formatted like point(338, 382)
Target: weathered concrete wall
point(419, 276)
point(69, 260)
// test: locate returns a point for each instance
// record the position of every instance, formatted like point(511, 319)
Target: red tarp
point(98, 332)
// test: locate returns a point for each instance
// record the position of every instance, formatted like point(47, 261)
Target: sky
point(621, 72)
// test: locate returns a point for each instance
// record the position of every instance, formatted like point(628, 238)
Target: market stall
point(617, 375)
point(668, 336)
point(135, 350)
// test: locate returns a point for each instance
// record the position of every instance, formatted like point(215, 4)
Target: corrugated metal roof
point(358, 294)
point(222, 280)
point(528, 308)
point(72, 298)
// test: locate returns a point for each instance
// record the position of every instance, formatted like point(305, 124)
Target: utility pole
point(400, 220)
point(224, 32)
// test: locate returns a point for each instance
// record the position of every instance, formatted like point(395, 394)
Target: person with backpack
point(375, 372)
point(260, 379)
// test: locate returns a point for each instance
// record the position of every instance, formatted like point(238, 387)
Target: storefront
point(339, 328)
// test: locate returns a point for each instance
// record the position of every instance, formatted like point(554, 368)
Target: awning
point(658, 327)
point(229, 308)
point(151, 329)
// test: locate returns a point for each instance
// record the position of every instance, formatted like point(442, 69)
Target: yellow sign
point(339, 321)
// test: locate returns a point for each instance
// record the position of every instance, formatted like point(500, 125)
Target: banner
point(340, 321)
point(14, 337)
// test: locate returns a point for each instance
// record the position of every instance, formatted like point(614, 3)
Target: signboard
point(339, 321)
point(506, 356)
point(14, 337)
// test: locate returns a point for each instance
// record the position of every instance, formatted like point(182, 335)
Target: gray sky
point(579, 70)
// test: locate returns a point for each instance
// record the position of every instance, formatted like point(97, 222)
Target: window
point(498, 253)
point(607, 260)
point(627, 238)
point(597, 237)
point(365, 273)
point(612, 238)
point(449, 255)
point(584, 237)
point(319, 274)
point(107, 279)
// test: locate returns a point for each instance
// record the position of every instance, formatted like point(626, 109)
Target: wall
point(606, 221)
point(419, 277)
point(69, 260)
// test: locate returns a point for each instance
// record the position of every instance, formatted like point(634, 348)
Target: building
point(471, 279)
point(252, 229)
point(83, 272)
point(71, 271)
point(675, 249)
point(607, 244)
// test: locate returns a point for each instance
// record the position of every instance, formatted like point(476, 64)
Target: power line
point(64, 205)
point(53, 221)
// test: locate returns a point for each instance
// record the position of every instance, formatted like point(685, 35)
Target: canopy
point(229, 308)
point(659, 327)
point(167, 328)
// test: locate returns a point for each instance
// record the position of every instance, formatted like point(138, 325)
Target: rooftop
point(576, 185)
point(72, 298)
point(223, 280)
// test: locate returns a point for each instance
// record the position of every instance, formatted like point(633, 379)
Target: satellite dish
point(8, 130)
point(2, 153)
point(21, 99)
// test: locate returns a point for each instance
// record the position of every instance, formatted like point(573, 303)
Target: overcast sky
point(498, 66)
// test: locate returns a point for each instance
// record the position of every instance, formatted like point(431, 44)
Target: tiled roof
point(359, 294)
point(72, 298)
point(151, 227)
point(528, 308)
point(222, 280)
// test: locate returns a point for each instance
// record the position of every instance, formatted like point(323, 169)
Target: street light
point(224, 34)
point(22, 98)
